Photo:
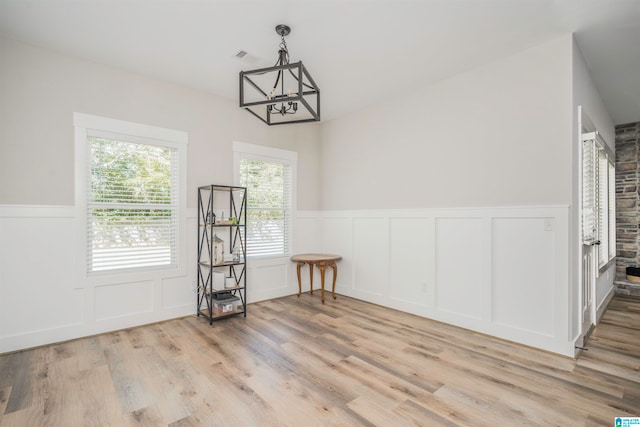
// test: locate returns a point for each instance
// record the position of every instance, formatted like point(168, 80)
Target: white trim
point(269, 154)
point(37, 211)
point(85, 125)
point(87, 121)
point(604, 304)
point(77, 330)
point(264, 151)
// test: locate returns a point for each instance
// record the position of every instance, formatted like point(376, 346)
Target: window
point(589, 174)
point(612, 209)
point(132, 197)
point(598, 199)
point(268, 174)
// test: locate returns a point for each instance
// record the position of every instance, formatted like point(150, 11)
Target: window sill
point(605, 267)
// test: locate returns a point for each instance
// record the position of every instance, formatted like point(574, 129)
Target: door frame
point(587, 250)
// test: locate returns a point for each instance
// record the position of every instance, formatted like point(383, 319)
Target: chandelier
point(284, 93)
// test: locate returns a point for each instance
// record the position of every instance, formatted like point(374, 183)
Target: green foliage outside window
point(267, 201)
point(130, 195)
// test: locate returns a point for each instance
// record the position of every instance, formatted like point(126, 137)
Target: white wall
point(498, 135)
point(43, 297)
point(595, 113)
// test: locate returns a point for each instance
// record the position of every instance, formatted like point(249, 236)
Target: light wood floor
point(296, 362)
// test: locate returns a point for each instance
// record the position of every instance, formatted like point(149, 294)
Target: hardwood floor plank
point(4, 398)
point(17, 373)
point(420, 416)
point(620, 369)
point(131, 388)
point(377, 415)
point(26, 417)
point(90, 353)
point(479, 409)
point(609, 338)
point(147, 417)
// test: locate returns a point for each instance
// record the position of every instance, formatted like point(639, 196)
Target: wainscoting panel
point(499, 271)
point(268, 278)
point(371, 256)
point(37, 289)
point(175, 294)
point(306, 231)
point(123, 299)
point(46, 297)
point(336, 237)
point(459, 266)
point(523, 269)
point(410, 256)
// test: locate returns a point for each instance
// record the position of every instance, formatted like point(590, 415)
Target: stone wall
point(627, 200)
point(627, 197)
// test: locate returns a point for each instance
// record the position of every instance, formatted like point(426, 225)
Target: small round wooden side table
point(322, 261)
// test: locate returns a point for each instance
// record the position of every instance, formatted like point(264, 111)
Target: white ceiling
point(358, 51)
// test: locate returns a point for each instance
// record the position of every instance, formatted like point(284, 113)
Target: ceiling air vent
point(249, 59)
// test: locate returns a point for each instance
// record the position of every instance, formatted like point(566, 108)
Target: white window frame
point(86, 125)
point(606, 225)
point(242, 150)
point(604, 204)
point(612, 208)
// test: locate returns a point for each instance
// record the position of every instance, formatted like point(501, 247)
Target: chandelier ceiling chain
point(286, 107)
point(283, 97)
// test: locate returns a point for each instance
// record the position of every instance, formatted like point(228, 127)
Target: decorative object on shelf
point(229, 282)
point(218, 280)
point(218, 250)
point(221, 276)
point(211, 218)
point(228, 304)
point(284, 93)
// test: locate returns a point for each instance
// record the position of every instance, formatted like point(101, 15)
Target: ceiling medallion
point(284, 93)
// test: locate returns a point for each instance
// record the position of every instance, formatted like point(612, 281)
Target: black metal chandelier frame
point(274, 102)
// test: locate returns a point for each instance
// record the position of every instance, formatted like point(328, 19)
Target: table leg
point(335, 275)
point(300, 264)
point(322, 268)
point(311, 278)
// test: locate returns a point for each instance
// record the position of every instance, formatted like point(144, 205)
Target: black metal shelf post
point(215, 301)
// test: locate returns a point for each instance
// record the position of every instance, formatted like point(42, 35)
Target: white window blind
point(269, 189)
point(599, 200)
point(603, 208)
point(612, 210)
point(589, 203)
point(132, 205)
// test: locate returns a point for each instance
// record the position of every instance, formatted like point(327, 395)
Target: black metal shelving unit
point(211, 297)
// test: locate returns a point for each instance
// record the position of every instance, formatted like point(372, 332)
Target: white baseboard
point(604, 304)
point(80, 330)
